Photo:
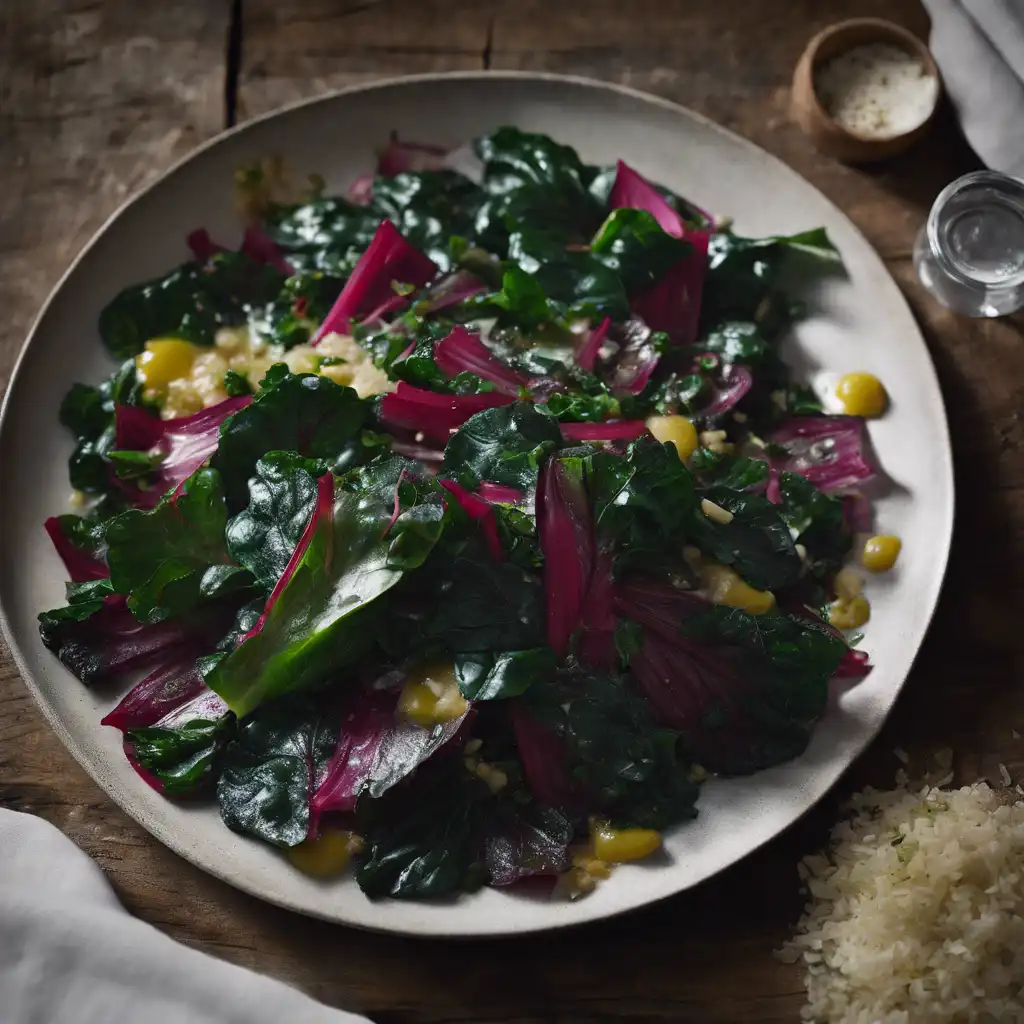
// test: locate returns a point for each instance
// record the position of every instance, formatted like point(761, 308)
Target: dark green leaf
point(785, 666)
point(634, 245)
point(191, 302)
point(532, 178)
point(305, 413)
point(577, 279)
point(172, 558)
point(271, 767)
point(736, 472)
point(743, 273)
point(506, 445)
point(643, 503)
point(429, 208)
point(282, 494)
point(325, 617)
point(484, 675)
point(816, 520)
point(236, 385)
point(184, 758)
point(479, 605)
point(89, 414)
point(756, 543)
point(424, 848)
point(327, 234)
point(629, 769)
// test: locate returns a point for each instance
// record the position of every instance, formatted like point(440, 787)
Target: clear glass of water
point(970, 253)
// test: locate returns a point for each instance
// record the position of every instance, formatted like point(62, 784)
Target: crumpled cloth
point(71, 954)
point(979, 47)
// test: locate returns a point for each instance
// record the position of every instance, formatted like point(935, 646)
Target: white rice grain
point(916, 913)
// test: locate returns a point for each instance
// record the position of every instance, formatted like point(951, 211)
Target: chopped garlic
point(239, 349)
point(716, 512)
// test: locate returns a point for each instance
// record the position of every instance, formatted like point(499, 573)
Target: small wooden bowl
point(807, 110)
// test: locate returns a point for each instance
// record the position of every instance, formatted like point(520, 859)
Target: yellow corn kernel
point(615, 845)
point(340, 373)
point(302, 359)
point(164, 360)
point(848, 584)
point(849, 613)
point(431, 696)
point(862, 394)
point(586, 861)
point(677, 430)
point(880, 553)
point(326, 855)
point(574, 884)
point(724, 586)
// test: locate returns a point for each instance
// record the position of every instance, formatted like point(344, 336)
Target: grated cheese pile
point(915, 914)
point(877, 90)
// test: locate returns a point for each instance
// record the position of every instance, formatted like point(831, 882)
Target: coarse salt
point(877, 90)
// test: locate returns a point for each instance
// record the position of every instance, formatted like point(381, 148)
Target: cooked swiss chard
point(461, 524)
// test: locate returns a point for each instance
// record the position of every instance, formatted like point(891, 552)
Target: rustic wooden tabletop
point(98, 96)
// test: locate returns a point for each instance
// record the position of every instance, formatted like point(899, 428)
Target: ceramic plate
point(861, 323)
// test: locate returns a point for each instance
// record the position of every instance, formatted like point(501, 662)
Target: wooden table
point(98, 96)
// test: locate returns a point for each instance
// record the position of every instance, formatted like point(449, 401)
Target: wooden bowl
point(830, 137)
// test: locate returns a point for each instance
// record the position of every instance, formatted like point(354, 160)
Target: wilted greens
point(469, 612)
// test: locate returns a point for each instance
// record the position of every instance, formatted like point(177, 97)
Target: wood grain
point(295, 50)
point(86, 114)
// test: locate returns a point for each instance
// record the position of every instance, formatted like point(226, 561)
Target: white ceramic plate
point(862, 324)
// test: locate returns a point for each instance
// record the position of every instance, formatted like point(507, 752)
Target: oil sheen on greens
point(497, 537)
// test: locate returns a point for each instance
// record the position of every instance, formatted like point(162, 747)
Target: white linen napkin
point(71, 954)
point(979, 47)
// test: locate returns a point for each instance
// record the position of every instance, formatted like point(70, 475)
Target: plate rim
point(429, 930)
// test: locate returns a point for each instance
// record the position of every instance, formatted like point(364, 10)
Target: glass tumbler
point(970, 253)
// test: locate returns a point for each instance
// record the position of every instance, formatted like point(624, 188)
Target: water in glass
point(970, 253)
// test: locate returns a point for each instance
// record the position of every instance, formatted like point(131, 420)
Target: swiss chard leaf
point(521, 301)
point(506, 445)
point(628, 768)
point(757, 542)
point(184, 758)
point(429, 208)
point(328, 234)
point(634, 245)
point(306, 413)
point(530, 177)
point(770, 676)
point(816, 520)
point(173, 558)
point(484, 675)
point(735, 472)
point(580, 281)
point(191, 302)
point(424, 848)
point(272, 767)
point(643, 502)
point(523, 840)
point(322, 615)
point(743, 273)
point(282, 495)
point(88, 413)
point(738, 341)
point(476, 604)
